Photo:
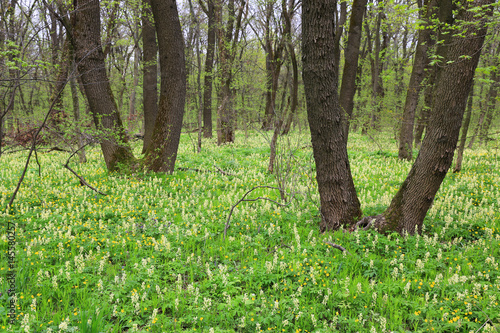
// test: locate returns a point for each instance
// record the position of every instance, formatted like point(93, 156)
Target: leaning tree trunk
point(420, 62)
point(339, 202)
point(410, 205)
point(149, 81)
point(348, 85)
point(162, 153)
point(86, 28)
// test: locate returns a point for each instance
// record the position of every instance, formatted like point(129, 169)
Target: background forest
point(229, 165)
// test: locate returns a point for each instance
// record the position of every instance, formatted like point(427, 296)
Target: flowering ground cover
point(151, 256)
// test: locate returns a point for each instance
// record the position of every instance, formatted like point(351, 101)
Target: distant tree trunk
point(491, 99)
point(425, 112)
point(150, 80)
point(348, 85)
point(410, 205)
point(58, 115)
point(421, 60)
point(76, 113)
point(465, 129)
point(377, 66)
point(294, 89)
point(162, 153)
point(86, 28)
point(209, 65)
point(339, 202)
point(227, 41)
point(339, 30)
point(132, 116)
point(482, 112)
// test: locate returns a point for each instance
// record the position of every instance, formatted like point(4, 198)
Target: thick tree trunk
point(150, 80)
point(86, 26)
point(465, 129)
point(420, 62)
point(339, 202)
point(209, 65)
point(162, 153)
point(410, 205)
point(348, 85)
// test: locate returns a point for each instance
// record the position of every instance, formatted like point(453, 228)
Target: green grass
point(151, 257)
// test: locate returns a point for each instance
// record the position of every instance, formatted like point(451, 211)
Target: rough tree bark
point(150, 80)
point(86, 29)
point(348, 85)
point(410, 205)
point(339, 202)
point(421, 60)
point(162, 153)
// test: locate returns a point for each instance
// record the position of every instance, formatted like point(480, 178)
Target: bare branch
point(250, 200)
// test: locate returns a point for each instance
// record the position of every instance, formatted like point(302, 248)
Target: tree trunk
point(420, 62)
point(377, 66)
point(491, 99)
point(227, 42)
point(162, 153)
point(339, 202)
point(76, 114)
point(132, 116)
point(150, 80)
point(410, 205)
point(57, 115)
point(209, 64)
point(86, 28)
point(482, 113)
point(294, 89)
point(348, 85)
point(465, 129)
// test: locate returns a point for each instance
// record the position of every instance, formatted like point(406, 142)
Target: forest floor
point(151, 256)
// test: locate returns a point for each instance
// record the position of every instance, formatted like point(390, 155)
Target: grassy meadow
point(151, 256)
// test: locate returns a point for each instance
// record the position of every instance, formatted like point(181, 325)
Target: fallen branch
point(250, 200)
point(223, 172)
point(338, 247)
point(82, 180)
